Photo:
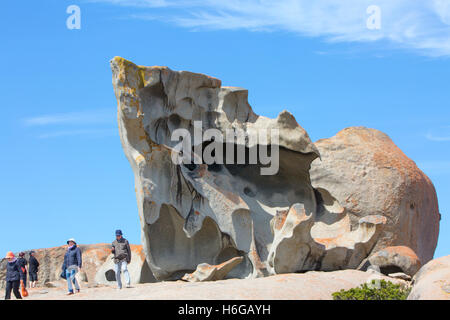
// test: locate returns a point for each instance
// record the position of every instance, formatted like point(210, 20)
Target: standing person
point(122, 257)
point(33, 269)
point(23, 268)
point(13, 276)
point(71, 265)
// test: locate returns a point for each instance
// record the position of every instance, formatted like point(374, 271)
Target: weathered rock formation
point(206, 272)
point(368, 174)
point(432, 282)
point(208, 212)
point(395, 259)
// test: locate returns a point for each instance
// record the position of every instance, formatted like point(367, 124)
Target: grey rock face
point(209, 213)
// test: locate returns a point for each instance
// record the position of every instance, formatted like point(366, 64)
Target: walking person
point(13, 277)
point(23, 268)
point(72, 264)
point(122, 257)
point(33, 269)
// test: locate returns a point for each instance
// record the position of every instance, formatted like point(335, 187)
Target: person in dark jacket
point(13, 277)
point(23, 268)
point(33, 269)
point(72, 264)
point(122, 257)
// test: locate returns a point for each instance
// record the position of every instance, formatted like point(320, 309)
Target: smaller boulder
point(396, 259)
point(207, 272)
point(432, 282)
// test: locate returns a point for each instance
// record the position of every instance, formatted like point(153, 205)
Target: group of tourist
point(16, 273)
point(16, 268)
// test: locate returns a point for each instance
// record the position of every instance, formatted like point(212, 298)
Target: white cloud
point(81, 132)
point(73, 118)
point(423, 25)
point(89, 123)
point(432, 137)
point(136, 3)
point(439, 134)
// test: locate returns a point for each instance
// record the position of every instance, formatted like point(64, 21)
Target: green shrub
point(385, 291)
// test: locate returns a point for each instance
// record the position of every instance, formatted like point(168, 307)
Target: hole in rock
point(249, 192)
point(390, 269)
point(190, 166)
point(214, 167)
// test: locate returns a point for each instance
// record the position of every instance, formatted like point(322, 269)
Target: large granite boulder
point(199, 203)
point(368, 174)
point(432, 282)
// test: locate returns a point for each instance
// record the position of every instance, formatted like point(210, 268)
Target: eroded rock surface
point(396, 259)
point(206, 272)
point(368, 174)
point(209, 213)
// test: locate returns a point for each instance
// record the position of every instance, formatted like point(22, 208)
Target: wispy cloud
point(89, 123)
point(440, 134)
point(135, 3)
point(93, 133)
point(415, 24)
point(432, 137)
point(72, 118)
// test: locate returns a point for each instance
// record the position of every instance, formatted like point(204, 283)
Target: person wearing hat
point(122, 257)
point(72, 264)
point(33, 268)
point(13, 277)
point(23, 268)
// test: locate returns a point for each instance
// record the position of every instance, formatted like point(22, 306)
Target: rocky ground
point(432, 281)
point(306, 286)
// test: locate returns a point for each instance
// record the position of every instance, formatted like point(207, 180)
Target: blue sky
point(63, 173)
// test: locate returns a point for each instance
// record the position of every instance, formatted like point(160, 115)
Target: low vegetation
point(376, 290)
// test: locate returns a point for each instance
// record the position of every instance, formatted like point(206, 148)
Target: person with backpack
point(72, 264)
point(122, 257)
point(33, 269)
point(13, 276)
